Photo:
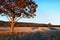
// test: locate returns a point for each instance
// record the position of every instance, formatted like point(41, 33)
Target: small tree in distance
point(16, 9)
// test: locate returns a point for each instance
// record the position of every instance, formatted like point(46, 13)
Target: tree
point(16, 9)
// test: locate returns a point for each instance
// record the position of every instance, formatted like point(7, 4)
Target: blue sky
point(48, 11)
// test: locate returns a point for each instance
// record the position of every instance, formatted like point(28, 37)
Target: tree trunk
point(12, 23)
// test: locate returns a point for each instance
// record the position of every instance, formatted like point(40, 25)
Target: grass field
point(37, 35)
point(30, 33)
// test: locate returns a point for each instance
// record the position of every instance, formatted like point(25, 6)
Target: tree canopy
point(24, 8)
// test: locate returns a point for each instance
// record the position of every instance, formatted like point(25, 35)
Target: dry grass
point(37, 35)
